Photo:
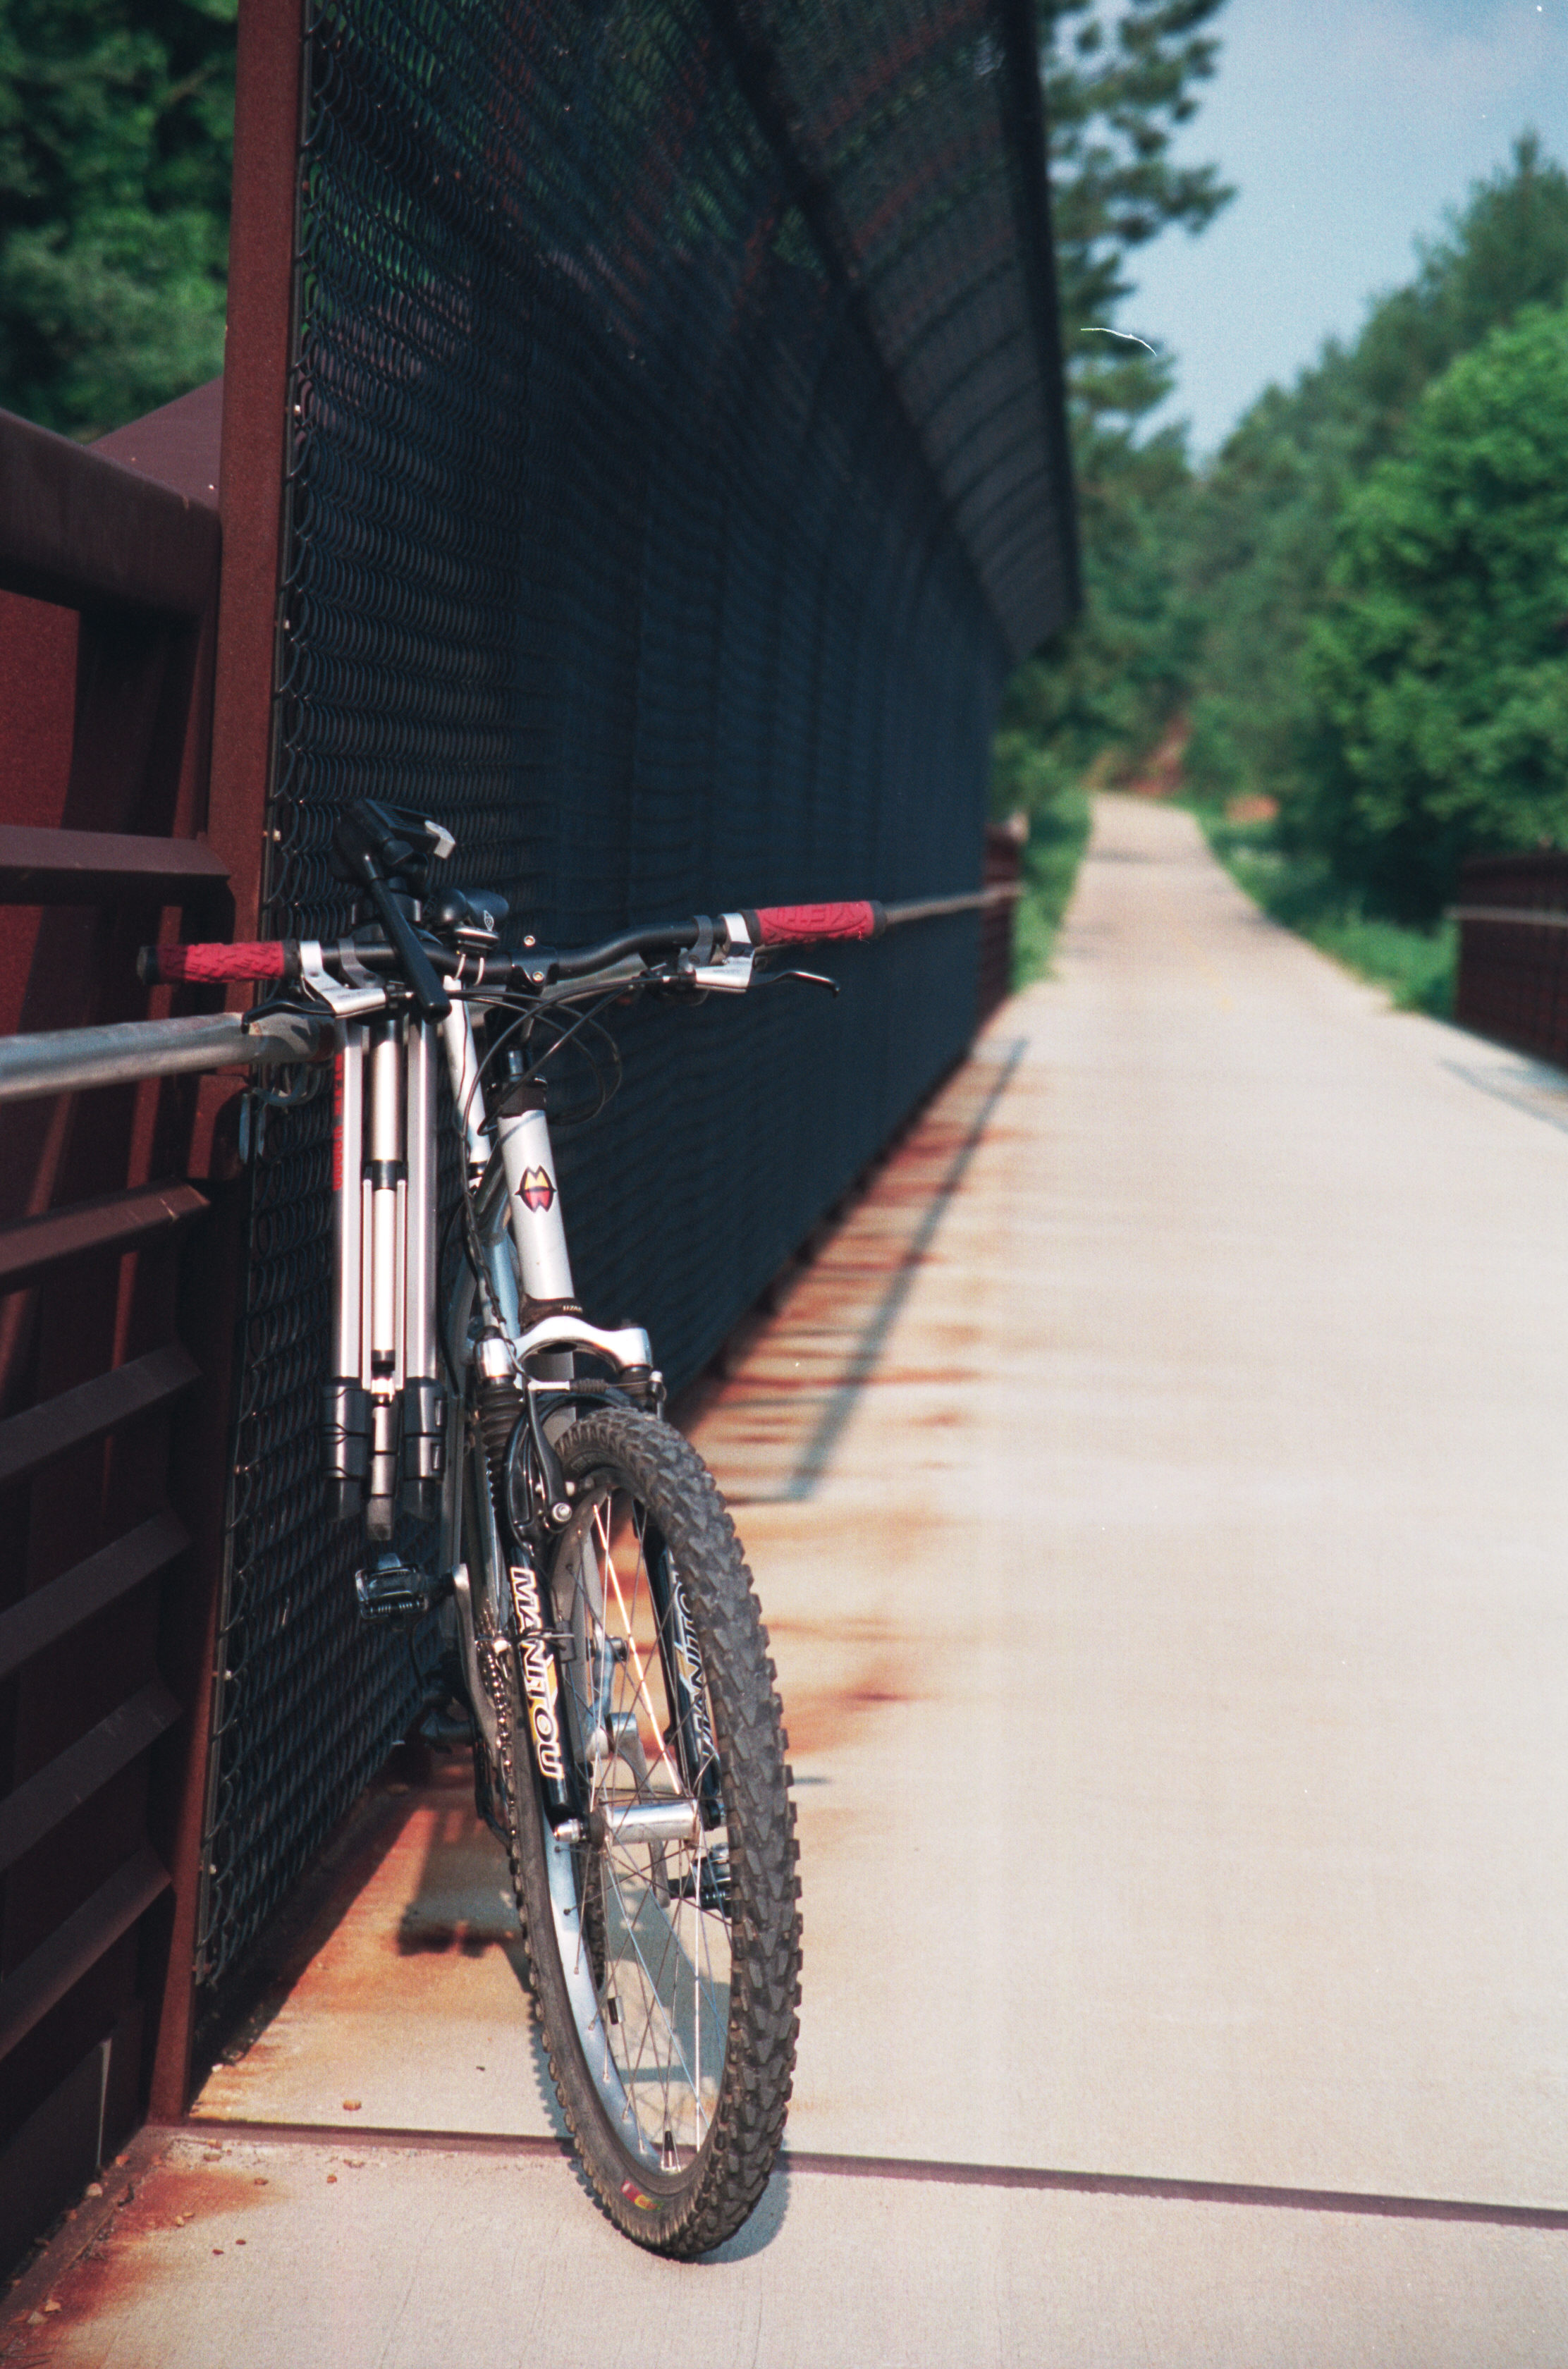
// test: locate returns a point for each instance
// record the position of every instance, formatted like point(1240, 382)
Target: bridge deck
point(1158, 1491)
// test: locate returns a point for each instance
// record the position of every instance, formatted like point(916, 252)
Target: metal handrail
point(1541, 917)
point(66, 1060)
point(973, 900)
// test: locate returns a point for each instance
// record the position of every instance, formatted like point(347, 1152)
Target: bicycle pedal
point(447, 1730)
point(390, 1590)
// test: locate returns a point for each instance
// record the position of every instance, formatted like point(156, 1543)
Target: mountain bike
point(515, 1478)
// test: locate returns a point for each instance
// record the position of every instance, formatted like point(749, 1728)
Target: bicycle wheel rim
point(642, 1927)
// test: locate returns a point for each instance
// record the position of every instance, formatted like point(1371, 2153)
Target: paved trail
point(1210, 1505)
point(1159, 1492)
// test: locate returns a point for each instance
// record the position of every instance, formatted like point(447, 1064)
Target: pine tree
point(116, 151)
point(1114, 93)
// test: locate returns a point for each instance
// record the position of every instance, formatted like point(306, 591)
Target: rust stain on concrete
point(820, 1716)
point(167, 2221)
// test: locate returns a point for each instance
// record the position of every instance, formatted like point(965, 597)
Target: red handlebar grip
point(163, 965)
point(803, 925)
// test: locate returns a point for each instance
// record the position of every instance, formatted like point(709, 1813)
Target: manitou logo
point(536, 1191)
point(538, 1671)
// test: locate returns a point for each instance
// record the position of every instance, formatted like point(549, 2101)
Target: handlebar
point(771, 925)
point(278, 958)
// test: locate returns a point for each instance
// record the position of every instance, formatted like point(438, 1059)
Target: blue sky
point(1348, 127)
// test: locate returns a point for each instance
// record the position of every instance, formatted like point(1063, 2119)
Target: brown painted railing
point(1513, 966)
point(115, 1310)
point(1005, 877)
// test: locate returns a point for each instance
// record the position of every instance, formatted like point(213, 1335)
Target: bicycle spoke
point(655, 1993)
point(646, 1585)
point(642, 1686)
point(668, 1998)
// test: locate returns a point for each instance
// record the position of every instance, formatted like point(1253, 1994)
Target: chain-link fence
point(677, 468)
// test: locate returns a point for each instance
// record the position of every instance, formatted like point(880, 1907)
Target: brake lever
point(807, 978)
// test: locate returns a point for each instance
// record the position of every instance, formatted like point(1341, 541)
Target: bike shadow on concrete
point(398, 2000)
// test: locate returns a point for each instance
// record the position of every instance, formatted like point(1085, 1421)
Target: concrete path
point(1157, 1492)
point(258, 2255)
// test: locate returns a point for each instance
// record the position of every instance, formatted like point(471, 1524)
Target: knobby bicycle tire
point(666, 1973)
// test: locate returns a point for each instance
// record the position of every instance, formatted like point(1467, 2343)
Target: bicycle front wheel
point(664, 1940)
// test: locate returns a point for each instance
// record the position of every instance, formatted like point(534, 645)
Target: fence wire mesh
point(677, 468)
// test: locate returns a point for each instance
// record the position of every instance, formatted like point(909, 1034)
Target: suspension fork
point(384, 1424)
point(346, 1424)
point(684, 1681)
point(503, 1398)
point(533, 1210)
point(424, 1400)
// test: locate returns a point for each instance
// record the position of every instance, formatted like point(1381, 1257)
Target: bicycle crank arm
point(479, 1700)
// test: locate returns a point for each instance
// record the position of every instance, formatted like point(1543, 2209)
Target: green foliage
point(1113, 99)
point(1260, 561)
point(1034, 778)
point(1300, 891)
point(1029, 773)
point(1114, 93)
point(116, 151)
point(1440, 668)
point(1051, 858)
point(1113, 678)
point(1113, 96)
